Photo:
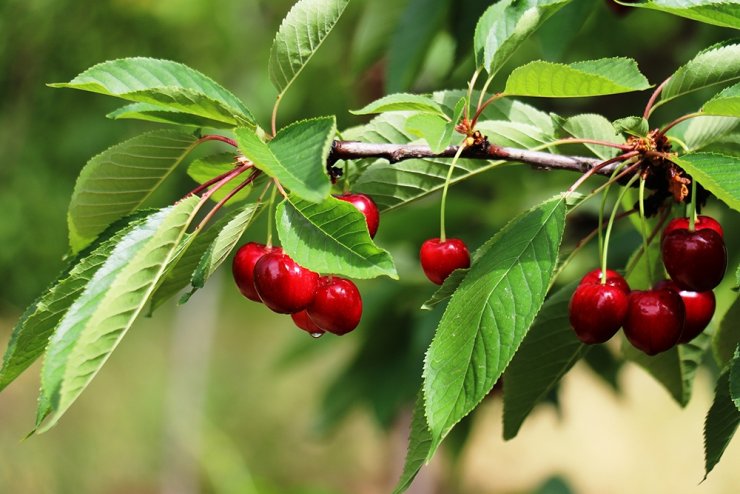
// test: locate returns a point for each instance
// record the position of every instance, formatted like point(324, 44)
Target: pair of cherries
point(674, 311)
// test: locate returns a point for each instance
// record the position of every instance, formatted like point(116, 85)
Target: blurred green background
point(221, 395)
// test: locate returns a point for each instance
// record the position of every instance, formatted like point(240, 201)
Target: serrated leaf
point(296, 156)
point(718, 64)
point(513, 134)
point(31, 334)
point(204, 169)
point(118, 180)
point(420, 446)
point(154, 113)
point(718, 173)
point(100, 317)
point(725, 103)
point(331, 237)
point(674, 369)
point(448, 288)
point(437, 131)
point(636, 126)
point(401, 102)
point(727, 337)
point(735, 378)
point(589, 78)
point(168, 85)
point(592, 126)
point(411, 40)
point(720, 425)
point(489, 315)
point(699, 133)
point(301, 33)
point(223, 244)
point(546, 354)
point(505, 25)
point(718, 12)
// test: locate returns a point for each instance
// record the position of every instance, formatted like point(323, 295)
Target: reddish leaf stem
point(220, 138)
point(592, 171)
point(654, 98)
point(251, 178)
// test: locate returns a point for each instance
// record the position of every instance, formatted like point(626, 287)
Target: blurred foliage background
point(222, 396)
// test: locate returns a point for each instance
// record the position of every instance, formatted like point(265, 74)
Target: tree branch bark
point(394, 153)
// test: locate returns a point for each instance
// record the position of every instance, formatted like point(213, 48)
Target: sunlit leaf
point(720, 425)
point(401, 102)
point(725, 103)
point(155, 113)
point(717, 173)
point(718, 12)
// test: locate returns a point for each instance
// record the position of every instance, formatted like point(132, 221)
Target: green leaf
point(589, 78)
point(698, 133)
point(513, 134)
point(718, 12)
point(401, 102)
point(636, 126)
point(117, 181)
point(720, 425)
point(546, 354)
point(301, 33)
point(674, 369)
point(591, 126)
point(204, 169)
point(99, 318)
point(331, 237)
point(718, 64)
point(165, 84)
point(31, 334)
point(296, 156)
point(420, 447)
point(645, 269)
point(448, 288)
point(224, 242)
point(725, 103)
point(735, 378)
point(431, 128)
point(718, 173)
point(154, 113)
point(489, 315)
point(505, 25)
point(416, 28)
point(727, 337)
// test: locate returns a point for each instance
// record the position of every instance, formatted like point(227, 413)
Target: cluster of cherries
point(674, 311)
point(317, 304)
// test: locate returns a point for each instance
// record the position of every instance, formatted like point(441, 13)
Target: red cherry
point(282, 284)
point(304, 322)
point(695, 260)
point(699, 309)
point(439, 259)
point(366, 206)
point(701, 223)
point(597, 311)
point(612, 279)
point(243, 267)
point(337, 306)
point(655, 319)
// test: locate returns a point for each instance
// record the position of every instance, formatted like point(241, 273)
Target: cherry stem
point(593, 170)
point(610, 225)
point(270, 215)
point(633, 262)
point(483, 93)
point(602, 208)
point(622, 174)
point(471, 85)
point(681, 119)
point(643, 222)
point(653, 98)
point(693, 215)
point(220, 138)
point(252, 176)
point(273, 120)
point(442, 232)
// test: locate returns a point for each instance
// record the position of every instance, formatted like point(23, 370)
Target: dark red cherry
point(612, 279)
point(701, 223)
point(243, 267)
point(283, 285)
point(597, 311)
point(695, 260)
point(654, 320)
point(366, 206)
point(699, 309)
point(439, 259)
point(304, 322)
point(337, 305)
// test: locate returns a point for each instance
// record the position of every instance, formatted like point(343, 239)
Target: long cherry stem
point(443, 205)
point(270, 215)
point(610, 225)
point(693, 214)
point(643, 223)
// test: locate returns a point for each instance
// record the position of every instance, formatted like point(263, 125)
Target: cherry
point(439, 259)
point(597, 311)
point(243, 267)
point(337, 305)
point(366, 206)
point(654, 320)
point(701, 223)
point(699, 309)
point(283, 285)
point(304, 322)
point(695, 260)
point(612, 279)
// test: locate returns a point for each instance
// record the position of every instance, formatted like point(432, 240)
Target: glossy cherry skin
point(282, 284)
point(439, 259)
point(699, 309)
point(701, 223)
point(305, 323)
point(655, 319)
point(612, 279)
point(695, 260)
point(597, 311)
point(243, 267)
point(337, 305)
point(367, 207)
